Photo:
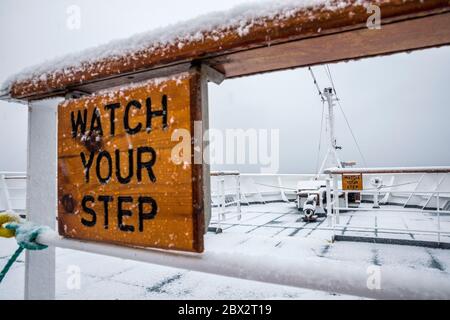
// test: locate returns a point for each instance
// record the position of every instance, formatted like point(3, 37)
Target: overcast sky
point(396, 105)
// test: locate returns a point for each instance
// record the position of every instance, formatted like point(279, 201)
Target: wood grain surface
point(115, 144)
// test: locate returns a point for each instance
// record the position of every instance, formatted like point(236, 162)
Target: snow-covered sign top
point(244, 27)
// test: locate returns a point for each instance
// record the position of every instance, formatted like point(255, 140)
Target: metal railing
point(338, 201)
point(244, 266)
point(231, 189)
point(225, 195)
point(13, 191)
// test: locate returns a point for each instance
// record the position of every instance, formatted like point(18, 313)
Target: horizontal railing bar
point(224, 173)
point(15, 178)
point(380, 229)
point(404, 210)
point(311, 273)
point(230, 216)
point(393, 191)
point(306, 175)
point(437, 169)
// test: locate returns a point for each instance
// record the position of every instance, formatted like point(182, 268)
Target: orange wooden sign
point(352, 181)
point(117, 181)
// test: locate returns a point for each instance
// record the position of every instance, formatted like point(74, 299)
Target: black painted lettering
point(157, 113)
point(90, 211)
point(148, 164)
point(146, 215)
point(79, 123)
point(87, 164)
point(107, 156)
point(126, 119)
point(106, 200)
point(124, 212)
point(96, 124)
point(112, 116)
point(127, 179)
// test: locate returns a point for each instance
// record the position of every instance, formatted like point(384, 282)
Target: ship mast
point(332, 146)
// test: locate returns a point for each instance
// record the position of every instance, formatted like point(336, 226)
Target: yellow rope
point(7, 217)
point(12, 225)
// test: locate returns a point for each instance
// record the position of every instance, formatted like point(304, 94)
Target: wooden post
point(207, 74)
point(41, 195)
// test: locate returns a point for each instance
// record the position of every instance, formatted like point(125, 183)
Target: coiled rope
point(26, 234)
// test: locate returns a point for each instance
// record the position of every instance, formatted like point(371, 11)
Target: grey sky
point(396, 105)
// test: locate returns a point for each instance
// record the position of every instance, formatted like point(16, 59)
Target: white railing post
point(329, 206)
point(439, 218)
point(6, 195)
point(336, 199)
point(238, 196)
point(223, 200)
point(376, 204)
point(41, 195)
point(346, 199)
point(282, 193)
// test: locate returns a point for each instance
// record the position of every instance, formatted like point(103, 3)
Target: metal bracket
point(75, 94)
point(5, 96)
point(212, 74)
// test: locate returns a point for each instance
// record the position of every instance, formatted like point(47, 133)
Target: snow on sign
point(117, 181)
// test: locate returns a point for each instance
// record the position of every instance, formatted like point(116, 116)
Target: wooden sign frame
point(310, 36)
point(183, 225)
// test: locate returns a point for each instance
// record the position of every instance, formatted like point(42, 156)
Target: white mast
point(332, 147)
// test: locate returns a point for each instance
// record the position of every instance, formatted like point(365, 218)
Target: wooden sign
point(352, 181)
point(117, 179)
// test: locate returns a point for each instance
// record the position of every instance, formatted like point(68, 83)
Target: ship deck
point(273, 230)
point(401, 226)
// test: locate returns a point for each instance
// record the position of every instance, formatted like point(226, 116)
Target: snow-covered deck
point(283, 219)
point(273, 229)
